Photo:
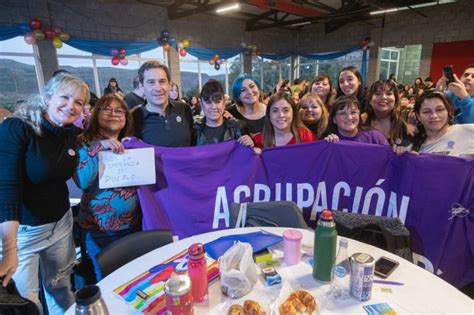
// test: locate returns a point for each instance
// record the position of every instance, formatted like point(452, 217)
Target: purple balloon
point(114, 52)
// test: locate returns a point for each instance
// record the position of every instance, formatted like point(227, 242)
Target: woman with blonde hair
point(38, 157)
point(313, 114)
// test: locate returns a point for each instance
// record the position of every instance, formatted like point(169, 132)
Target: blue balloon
point(165, 33)
point(24, 27)
point(172, 41)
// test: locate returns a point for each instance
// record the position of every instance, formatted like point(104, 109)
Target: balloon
point(64, 36)
point(243, 45)
point(166, 46)
point(216, 57)
point(217, 66)
point(220, 61)
point(182, 52)
point(114, 52)
point(35, 23)
point(122, 51)
point(39, 34)
point(24, 27)
point(115, 60)
point(180, 45)
point(164, 39)
point(57, 29)
point(212, 61)
point(29, 38)
point(186, 43)
point(124, 61)
point(165, 33)
point(57, 42)
point(50, 33)
point(172, 41)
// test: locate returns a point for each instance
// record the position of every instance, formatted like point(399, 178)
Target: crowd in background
point(59, 134)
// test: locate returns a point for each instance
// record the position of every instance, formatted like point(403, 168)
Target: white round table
point(422, 292)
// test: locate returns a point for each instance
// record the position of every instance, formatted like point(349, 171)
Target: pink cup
point(292, 247)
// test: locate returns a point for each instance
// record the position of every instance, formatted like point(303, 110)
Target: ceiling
point(288, 14)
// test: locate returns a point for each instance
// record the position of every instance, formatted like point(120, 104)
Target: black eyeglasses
point(109, 111)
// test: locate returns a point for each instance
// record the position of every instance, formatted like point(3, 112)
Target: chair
point(386, 233)
point(130, 247)
point(267, 213)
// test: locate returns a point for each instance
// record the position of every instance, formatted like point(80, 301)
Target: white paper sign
point(132, 168)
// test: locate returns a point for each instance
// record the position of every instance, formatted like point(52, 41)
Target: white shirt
point(457, 141)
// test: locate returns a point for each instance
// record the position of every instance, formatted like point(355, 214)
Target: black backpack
point(386, 233)
point(12, 303)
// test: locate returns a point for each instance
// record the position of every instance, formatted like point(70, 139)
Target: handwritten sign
point(132, 168)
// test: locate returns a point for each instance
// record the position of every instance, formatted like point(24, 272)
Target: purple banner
point(196, 186)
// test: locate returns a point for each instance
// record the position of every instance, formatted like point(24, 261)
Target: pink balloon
point(29, 38)
point(115, 61)
point(212, 61)
point(182, 52)
point(124, 61)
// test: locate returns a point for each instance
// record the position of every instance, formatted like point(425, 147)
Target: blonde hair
point(33, 110)
point(322, 123)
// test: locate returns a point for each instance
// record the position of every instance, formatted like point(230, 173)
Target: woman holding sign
point(37, 158)
point(105, 214)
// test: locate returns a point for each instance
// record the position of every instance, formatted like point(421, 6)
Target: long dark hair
point(93, 132)
point(428, 95)
point(398, 127)
point(360, 91)
point(268, 129)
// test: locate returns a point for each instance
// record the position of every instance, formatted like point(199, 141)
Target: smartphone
point(384, 266)
point(448, 73)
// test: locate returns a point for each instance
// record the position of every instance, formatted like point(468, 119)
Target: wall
point(444, 23)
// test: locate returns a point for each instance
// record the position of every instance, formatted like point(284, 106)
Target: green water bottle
point(325, 238)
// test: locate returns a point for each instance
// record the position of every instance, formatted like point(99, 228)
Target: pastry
point(298, 302)
point(236, 309)
point(252, 308)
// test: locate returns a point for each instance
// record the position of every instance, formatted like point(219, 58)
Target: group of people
point(40, 149)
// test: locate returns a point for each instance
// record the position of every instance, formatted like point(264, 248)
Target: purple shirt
point(368, 136)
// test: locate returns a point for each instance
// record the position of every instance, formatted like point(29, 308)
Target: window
point(388, 63)
point(96, 70)
point(269, 72)
point(195, 73)
point(20, 72)
point(308, 69)
point(404, 62)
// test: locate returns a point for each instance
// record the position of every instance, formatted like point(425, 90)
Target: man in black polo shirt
point(160, 121)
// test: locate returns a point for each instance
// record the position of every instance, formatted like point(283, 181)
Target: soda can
point(179, 298)
point(362, 276)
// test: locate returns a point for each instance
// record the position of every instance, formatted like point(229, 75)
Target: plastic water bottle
point(341, 273)
point(197, 272)
point(325, 238)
